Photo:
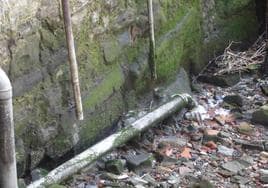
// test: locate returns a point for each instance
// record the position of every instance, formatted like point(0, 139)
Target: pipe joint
point(188, 100)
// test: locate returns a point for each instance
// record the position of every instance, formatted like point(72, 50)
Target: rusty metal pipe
point(8, 170)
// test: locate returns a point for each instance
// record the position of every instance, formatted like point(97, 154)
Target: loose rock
point(225, 151)
point(234, 166)
point(261, 116)
point(233, 100)
point(245, 128)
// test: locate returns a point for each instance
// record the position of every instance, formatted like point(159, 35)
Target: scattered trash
point(217, 141)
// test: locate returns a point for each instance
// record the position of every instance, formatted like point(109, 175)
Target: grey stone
point(245, 128)
point(264, 178)
point(261, 116)
point(142, 159)
point(225, 173)
point(173, 140)
point(124, 39)
point(115, 166)
point(246, 160)
point(225, 151)
point(126, 17)
point(164, 185)
point(137, 181)
point(38, 173)
point(173, 179)
point(111, 51)
point(166, 161)
point(252, 145)
point(221, 80)
point(224, 134)
point(233, 100)
point(91, 186)
point(264, 89)
point(112, 177)
point(150, 180)
point(240, 180)
point(203, 184)
point(234, 166)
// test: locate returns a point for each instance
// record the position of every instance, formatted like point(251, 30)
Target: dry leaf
point(186, 153)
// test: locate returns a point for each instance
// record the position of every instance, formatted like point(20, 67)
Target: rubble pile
point(217, 144)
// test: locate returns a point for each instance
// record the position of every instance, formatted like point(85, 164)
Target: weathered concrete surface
point(111, 40)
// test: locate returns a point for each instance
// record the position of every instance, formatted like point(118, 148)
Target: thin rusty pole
point(152, 40)
point(72, 59)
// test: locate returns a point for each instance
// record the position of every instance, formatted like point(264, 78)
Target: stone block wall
point(111, 39)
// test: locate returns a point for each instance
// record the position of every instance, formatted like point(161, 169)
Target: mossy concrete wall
point(111, 39)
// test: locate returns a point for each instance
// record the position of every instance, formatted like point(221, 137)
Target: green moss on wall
point(172, 12)
point(238, 27)
point(183, 44)
point(101, 118)
point(112, 82)
point(229, 7)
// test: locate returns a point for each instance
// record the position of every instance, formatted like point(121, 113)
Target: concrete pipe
point(117, 139)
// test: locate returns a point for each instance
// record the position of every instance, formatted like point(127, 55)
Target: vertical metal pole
point(152, 40)
point(8, 170)
point(72, 59)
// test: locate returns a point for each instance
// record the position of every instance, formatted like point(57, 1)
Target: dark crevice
point(260, 13)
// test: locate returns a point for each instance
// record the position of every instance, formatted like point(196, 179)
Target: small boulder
point(115, 166)
point(38, 173)
point(202, 184)
point(251, 145)
point(245, 128)
point(210, 135)
point(226, 80)
point(225, 151)
point(233, 100)
point(261, 116)
point(139, 161)
point(264, 89)
point(234, 166)
point(264, 179)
